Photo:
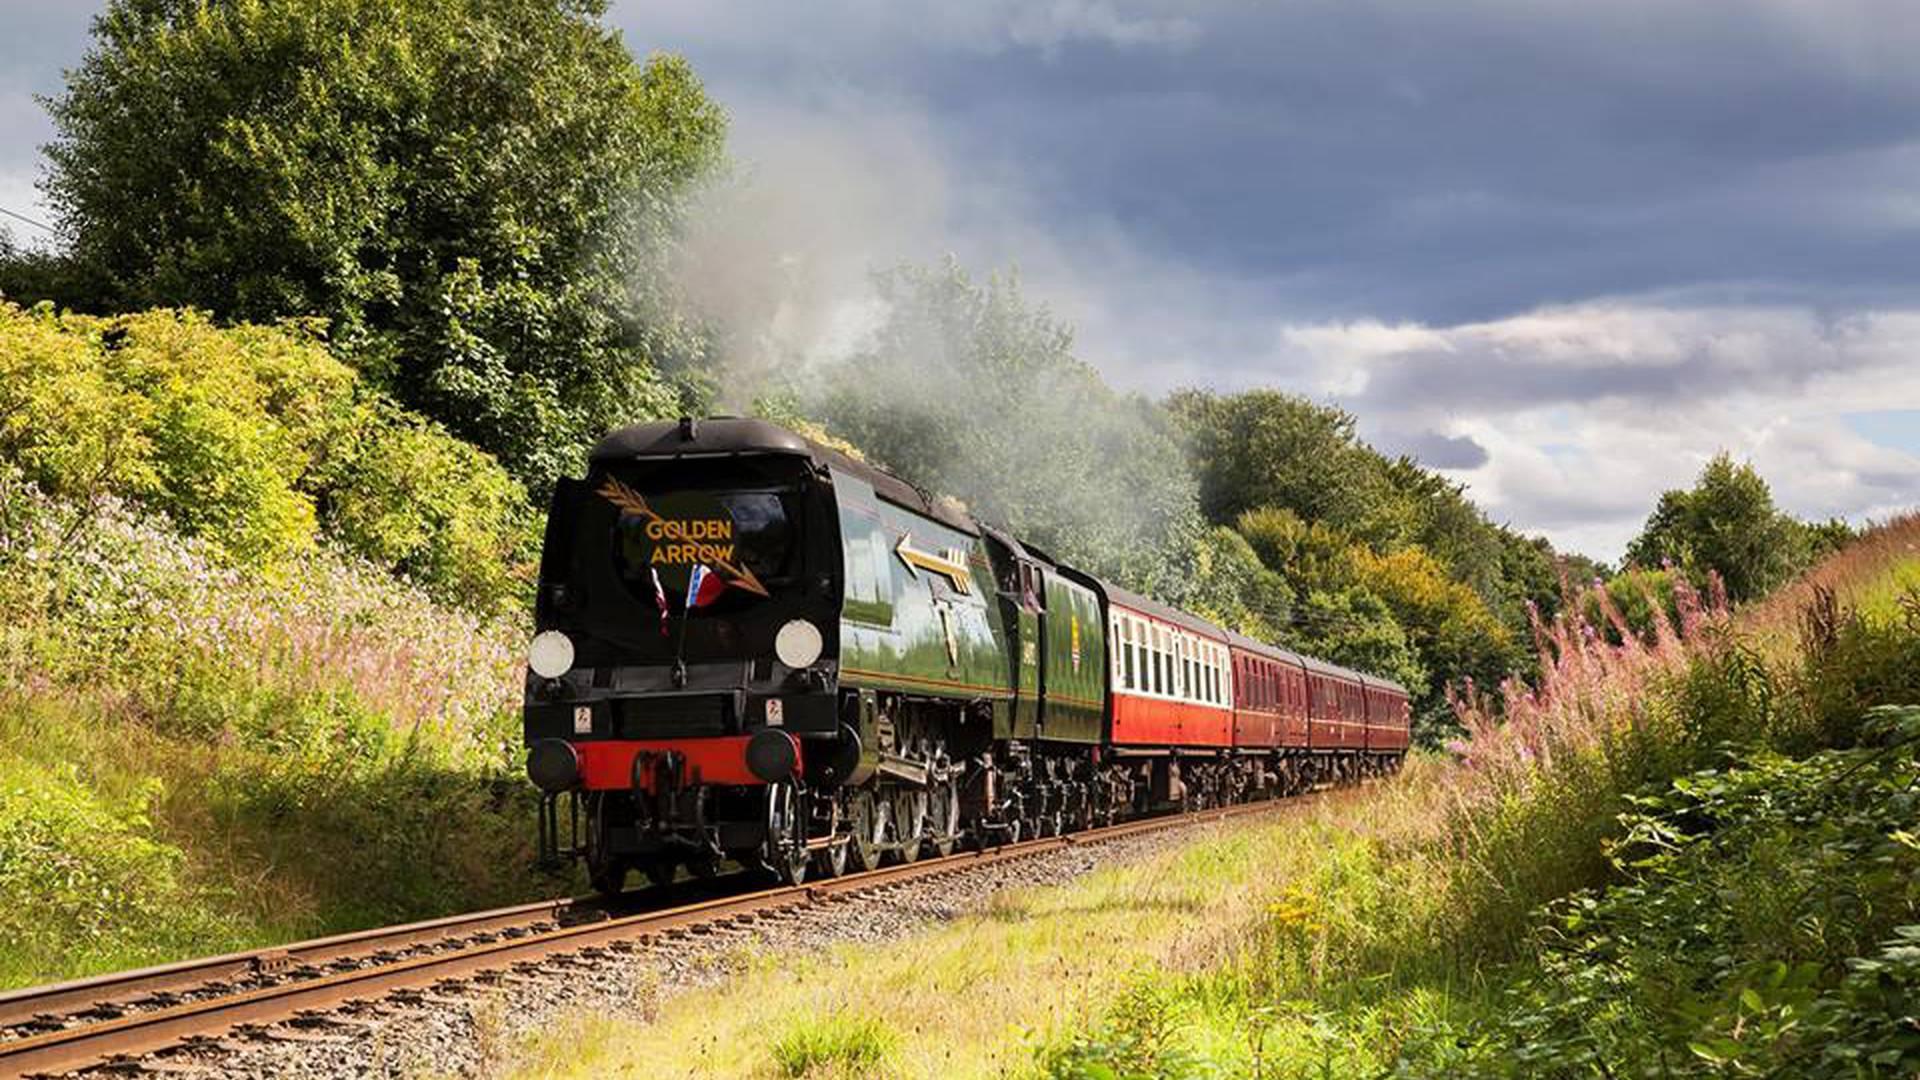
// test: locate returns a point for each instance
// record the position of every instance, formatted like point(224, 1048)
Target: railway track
point(88, 1022)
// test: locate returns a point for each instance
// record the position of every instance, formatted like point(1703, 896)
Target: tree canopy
point(968, 389)
point(476, 194)
point(1727, 525)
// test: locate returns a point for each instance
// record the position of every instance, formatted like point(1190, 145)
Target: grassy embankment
point(1685, 855)
point(249, 690)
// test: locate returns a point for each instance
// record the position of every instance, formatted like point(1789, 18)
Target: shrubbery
point(1764, 925)
point(1680, 852)
point(479, 198)
point(256, 440)
point(199, 754)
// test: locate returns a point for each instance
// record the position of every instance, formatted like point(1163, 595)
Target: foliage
point(477, 195)
point(1267, 448)
point(1447, 624)
point(838, 1044)
point(1765, 926)
point(77, 863)
point(1637, 597)
point(255, 439)
point(1231, 586)
point(969, 390)
point(198, 755)
point(1681, 851)
point(1727, 525)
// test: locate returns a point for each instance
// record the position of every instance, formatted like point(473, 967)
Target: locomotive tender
point(753, 647)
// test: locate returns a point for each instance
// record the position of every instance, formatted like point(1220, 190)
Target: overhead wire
point(15, 215)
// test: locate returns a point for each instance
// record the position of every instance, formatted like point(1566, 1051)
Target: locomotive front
point(682, 682)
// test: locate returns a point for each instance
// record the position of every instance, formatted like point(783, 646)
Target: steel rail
point(146, 1031)
point(123, 988)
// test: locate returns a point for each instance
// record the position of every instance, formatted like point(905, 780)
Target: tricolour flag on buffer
point(704, 587)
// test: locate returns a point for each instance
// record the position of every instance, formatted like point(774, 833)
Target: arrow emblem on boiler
point(950, 564)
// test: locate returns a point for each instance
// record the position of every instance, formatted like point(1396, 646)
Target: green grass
point(834, 1045)
point(197, 756)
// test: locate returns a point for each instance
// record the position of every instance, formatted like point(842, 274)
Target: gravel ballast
point(469, 1027)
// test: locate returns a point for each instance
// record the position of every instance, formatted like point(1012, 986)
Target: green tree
point(967, 389)
point(1725, 524)
point(1266, 448)
point(477, 194)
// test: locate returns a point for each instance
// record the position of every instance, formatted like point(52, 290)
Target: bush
point(255, 439)
point(835, 1045)
point(198, 755)
point(75, 864)
point(1764, 928)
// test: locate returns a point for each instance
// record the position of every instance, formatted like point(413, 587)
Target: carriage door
point(1033, 621)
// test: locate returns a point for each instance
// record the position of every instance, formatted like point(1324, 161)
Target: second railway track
point(88, 1022)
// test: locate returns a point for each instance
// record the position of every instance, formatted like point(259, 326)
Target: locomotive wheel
point(1083, 811)
point(943, 818)
point(660, 872)
point(909, 823)
point(785, 851)
point(863, 831)
point(831, 861)
point(607, 875)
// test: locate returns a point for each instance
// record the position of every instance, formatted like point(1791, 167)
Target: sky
point(1562, 251)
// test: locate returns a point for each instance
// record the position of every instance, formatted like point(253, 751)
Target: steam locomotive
point(752, 647)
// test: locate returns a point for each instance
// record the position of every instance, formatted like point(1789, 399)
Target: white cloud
point(1587, 411)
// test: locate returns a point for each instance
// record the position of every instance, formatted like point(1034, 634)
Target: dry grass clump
point(1870, 575)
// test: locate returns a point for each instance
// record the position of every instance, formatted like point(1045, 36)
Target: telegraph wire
point(22, 217)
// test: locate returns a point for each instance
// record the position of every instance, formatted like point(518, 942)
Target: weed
point(838, 1044)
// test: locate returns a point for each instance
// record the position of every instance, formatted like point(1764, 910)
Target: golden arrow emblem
point(632, 502)
point(950, 564)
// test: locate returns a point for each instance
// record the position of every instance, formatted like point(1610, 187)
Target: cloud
point(1565, 251)
point(1439, 451)
point(1580, 414)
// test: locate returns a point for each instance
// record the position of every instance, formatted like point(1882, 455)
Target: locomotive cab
point(682, 683)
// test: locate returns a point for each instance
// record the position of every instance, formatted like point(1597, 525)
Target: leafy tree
point(1231, 586)
point(967, 389)
point(477, 194)
point(1310, 556)
point(1636, 596)
point(1355, 628)
point(1452, 629)
point(1267, 448)
point(1726, 524)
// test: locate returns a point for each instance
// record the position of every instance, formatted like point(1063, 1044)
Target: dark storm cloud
point(1437, 451)
point(1433, 162)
